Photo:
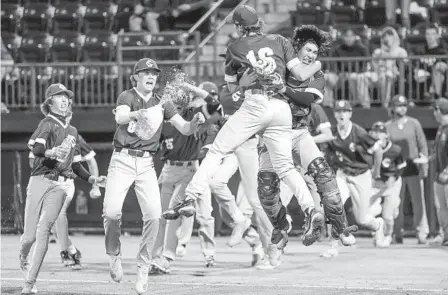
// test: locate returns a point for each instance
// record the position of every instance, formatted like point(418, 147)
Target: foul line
point(244, 285)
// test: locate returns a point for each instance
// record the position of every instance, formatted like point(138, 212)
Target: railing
point(98, 84)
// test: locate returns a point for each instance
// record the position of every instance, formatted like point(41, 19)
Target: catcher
point(55, 147)
point(441, 183)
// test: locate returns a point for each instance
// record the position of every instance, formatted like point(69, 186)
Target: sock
point(71, 250)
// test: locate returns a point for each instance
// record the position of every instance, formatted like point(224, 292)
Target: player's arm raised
point(184, 127)
point(374, 148)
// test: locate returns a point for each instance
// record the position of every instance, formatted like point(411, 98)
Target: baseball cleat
point(437, 241)
point(379, 233)
point(186, 208)
point(384, 243)
point(274, 255)
point(161, 264)
point(141, 285)
point(347, 238)
point(264, 264)
point(210, 261)
point(115, 268)
point(24, 265)
point(314, 222)
point(29, 288)
point(238, 232)
point(279, 238)
point(181, 250)
point(66, 259)
point(76, 260)
point(257, 254)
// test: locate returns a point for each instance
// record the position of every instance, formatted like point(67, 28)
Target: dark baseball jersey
point(244, 53)
point(125, 136)
point(314, 85)
point(179, 147)
point(317, 120)
point(352, 153)
point(231, 102)
point(441, 148)
point(51, 132)
point(392, 163)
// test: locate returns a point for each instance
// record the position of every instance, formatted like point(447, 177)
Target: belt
point(134, 153)
point(58, 178)
point(182, 163)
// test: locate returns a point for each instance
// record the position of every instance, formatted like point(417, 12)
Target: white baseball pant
point(173, 180)
point(359, 188)
point(60, 230)
point(124, 170)
point(258, 114)
point(390, 207)
point(441, 204)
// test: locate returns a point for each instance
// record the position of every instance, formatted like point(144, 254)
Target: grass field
point(403, 269)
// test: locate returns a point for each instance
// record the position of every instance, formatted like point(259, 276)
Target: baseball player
point(132, 162)
point(354, 148)
point(70, 255)
point(386, 190)
point(308, 42)
point(181, 156)
point(441, 183)
point(261, 112)
point(55, 146)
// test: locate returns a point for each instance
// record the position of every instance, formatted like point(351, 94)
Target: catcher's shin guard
point(331, 201)
point(269, 194)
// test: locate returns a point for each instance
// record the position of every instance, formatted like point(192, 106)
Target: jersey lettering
point(131, 127)
point(263, 53)
point(236, 96)
point(169, 143)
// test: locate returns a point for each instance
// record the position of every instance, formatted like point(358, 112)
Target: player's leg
point(120, 176)
point(248, 160)
point(184, 233)
point(206, 228)
point(69, 254)
point(312, 160)
point(277, 137)
point(390, 210)
point(168, 178)
point(37, 186)
point(416, 192)
point(219, 186)
point(253, 116)
point(441, 204)
point(399, 221)
point(361, 191)
point(52, 203)
point(148, 196)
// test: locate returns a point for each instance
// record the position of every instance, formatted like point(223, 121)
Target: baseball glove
point(442, 178)
point(148, 122)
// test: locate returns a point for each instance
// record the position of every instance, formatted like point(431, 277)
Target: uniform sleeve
point(231, 69)
point(125, 99)
point(317, 86)
point(320, 118)
point(366, 141)
point(290, 55)
point(40, 135)
point(87, 153)
point(77, 154)
point(421, 139)
point(169, 110)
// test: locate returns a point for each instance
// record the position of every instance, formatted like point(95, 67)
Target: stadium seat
point(165, 54)
point(97, 16)
point(343, 14)
point(441, 13)
point(9, 17)
point(133, 41)
point(414, 39)
point(98, 46)
point(67, 48)
point(374, 15)
point(65, 17)
point(35, 47)
point(12, 41)
point(35, 17)
point(306, 15)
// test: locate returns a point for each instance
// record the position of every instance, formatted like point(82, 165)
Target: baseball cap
point(243, 15)
point(57, 88)
point(342, 105)
point(398, 100)
point(379, 127)
point(210, 87)
point(146, 64)
point(441, 104)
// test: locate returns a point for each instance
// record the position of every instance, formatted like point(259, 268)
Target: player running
point(353, 149)
point(55, 147)
point(261, 112)
point(132, 163)
point(386, 190)
point(309, 42)
point(181, 156)
point(70, 255)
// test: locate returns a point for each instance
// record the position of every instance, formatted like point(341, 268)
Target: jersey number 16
point(263, 53)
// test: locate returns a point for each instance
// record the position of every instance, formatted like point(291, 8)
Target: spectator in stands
point(353, 72)
point(7, 61)
point(391, 15)
point(431, 69)
point(385, 64)
point(326, 5)
point(407, 132)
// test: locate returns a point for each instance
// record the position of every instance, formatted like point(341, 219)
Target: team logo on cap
point(149, 64)
point(341, 104)
point(62, 87)
point(386, 162)
point(402, 99)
